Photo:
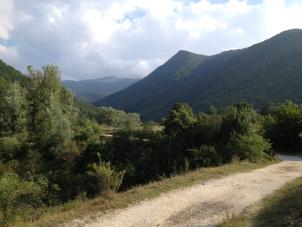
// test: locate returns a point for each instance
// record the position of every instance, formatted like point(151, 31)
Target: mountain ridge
point(251, 74)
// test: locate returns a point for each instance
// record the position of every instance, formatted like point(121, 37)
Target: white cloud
point(280, 15)
point(8, 54)
point(92, 38)
point(6, 8)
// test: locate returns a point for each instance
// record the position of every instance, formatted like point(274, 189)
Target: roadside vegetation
point(81, 206)
point(283, 208)
point(53, 149)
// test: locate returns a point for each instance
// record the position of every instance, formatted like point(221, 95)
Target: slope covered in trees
point(10, 74)
point(151, 94)
point(268, 71)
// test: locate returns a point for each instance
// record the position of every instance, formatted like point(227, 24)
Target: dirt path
point(205, 204)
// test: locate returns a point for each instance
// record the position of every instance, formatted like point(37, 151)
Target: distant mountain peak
point(183, 52)
point(94, 89)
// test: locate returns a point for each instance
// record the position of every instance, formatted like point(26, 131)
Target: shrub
point(251, 147)
point(8, 147)
point(204, 156)
point(107, 178)
point(15, 193)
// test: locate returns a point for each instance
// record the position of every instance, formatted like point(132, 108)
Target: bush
point(204, 156)
point(15, 193)
point(107, 178)
point(251, 147)
point(117, 118)
point(8, 148)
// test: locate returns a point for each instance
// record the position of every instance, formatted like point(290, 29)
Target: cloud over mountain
point(94, 38)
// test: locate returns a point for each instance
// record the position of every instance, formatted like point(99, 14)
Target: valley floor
point(205, 204)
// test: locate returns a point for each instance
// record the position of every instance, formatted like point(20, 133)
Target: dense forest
point(269, 71)
point(53, 148)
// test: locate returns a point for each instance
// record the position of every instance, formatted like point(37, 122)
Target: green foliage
point(15, 193)
point(242, 133)
point(4, 85)
point(249, 147)
point(117, 118)
point(180, 118)
point(9, 146)
point(240, 119)
point(56, 145)
point(10, 74)
point(204, 156)
point(283, 126)
point(16, 108)
point(107, 178)
point(206, 129)
point(154, 95)
point(87, 133)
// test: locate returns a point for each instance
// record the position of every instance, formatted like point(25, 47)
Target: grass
point(82, 207)
point(282, 208)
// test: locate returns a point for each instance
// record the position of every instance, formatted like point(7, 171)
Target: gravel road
point(205, 204)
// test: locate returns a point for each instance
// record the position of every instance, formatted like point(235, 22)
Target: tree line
point(52, 149)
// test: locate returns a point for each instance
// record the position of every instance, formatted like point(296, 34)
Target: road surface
point(205, 204)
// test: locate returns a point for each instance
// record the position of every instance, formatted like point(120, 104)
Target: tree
point(3, 113)
point(283, 126)
point(16, 107)
point(180, 118)
point(241, 134)
point(206, 129)
point(240, 119)
point(52, 113)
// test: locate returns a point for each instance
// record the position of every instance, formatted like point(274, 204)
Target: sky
point(130, 38)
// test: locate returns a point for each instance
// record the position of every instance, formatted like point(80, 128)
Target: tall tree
point(52, 111)
point(16, 107)
point(180, 118)
point(3, 89)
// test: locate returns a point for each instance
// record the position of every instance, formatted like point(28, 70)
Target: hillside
point(95, 89)
point(10, 74)
point(265, 72)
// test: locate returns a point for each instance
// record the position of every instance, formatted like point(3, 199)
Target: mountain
point(95, 89)
point(270, 71)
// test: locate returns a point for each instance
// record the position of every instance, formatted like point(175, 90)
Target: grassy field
point(82, 207)
point(283, 208)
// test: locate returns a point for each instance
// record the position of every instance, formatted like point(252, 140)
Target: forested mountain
point(95, 89)
point(270, 71)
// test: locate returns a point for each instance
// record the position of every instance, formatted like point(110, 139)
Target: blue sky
point(130, 38)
